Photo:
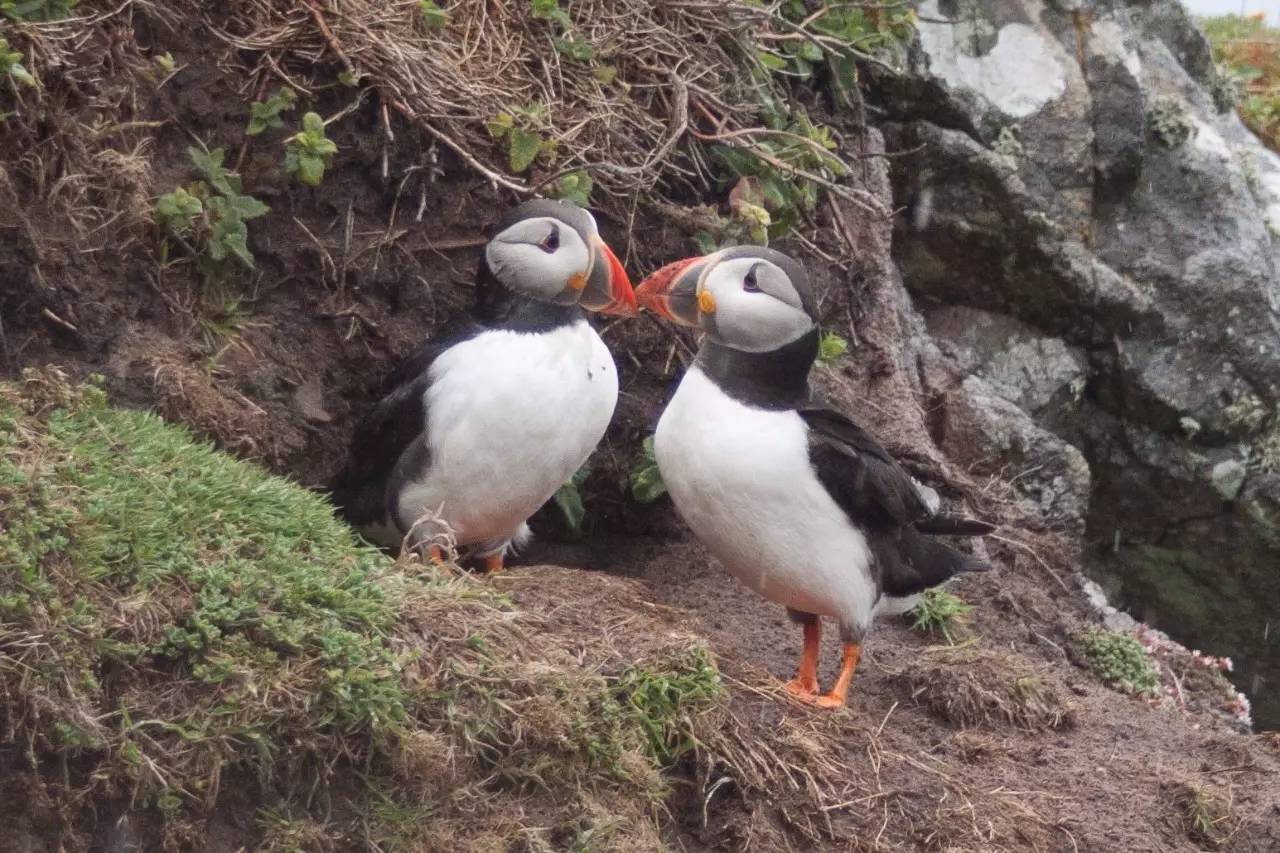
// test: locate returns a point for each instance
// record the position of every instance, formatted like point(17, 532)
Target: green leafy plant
point(11, 65)
point(178, 210)
point(1119, 661)
point(574, 187)
point(309, 152)
point(775, 162)
point(214, 212)
point(830, 347)
point(37, 10)
point(432, 15)
point(521, 127)
point(549, 10)
point(646, 478)
point(569, 500)
point(660, 700)
point(941, 613)
point(265, 115)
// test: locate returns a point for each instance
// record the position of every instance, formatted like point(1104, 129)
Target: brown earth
point(1002, 743)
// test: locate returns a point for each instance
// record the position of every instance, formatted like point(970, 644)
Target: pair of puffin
point(482, 425)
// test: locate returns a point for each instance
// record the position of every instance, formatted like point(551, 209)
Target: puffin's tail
point(954, 525)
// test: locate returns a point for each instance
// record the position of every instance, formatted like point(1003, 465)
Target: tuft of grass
point(38, 10)
point(1119, 661)
point(941, 613)
point(1201, 812)
point(989, 688)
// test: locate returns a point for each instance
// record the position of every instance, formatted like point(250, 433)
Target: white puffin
point(483, 424)
point(793, 497)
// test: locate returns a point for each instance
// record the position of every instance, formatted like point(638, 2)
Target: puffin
point(481, 425)
point(794, 498)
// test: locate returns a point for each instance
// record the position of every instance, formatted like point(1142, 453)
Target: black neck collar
point(499, 307)
point(778, 379)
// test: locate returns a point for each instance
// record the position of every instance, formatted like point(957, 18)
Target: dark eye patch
point(749, 284)
point(551, 242)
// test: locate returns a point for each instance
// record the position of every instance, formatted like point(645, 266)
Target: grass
point(1119, 661)
point(1248, 55)
point(941, 613)
point(170, 616)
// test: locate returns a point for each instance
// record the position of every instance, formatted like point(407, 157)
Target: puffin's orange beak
point(608, 289)
point(672, 292)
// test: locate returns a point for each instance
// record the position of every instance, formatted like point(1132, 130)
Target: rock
point(991, 435)
point(308, 399)
point(1119, 280)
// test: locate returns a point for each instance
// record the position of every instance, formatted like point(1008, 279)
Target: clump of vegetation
point(211, 216)
point(38, 10)
point(1248, 55)
point(830, 347)
point(646, 477)
point(266, 115)
point(941, 613)
point(171, 616)
point(1119, 661)
point(11, 65)
point(308, 153)
point(521, 127)
point(1170, 123)
point(432, 15)
point(574, 187)
point(1201, 812)
point(568, 498)
point(989, 688)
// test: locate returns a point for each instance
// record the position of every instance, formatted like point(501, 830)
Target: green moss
point(1119, 661)
point(1169, 122)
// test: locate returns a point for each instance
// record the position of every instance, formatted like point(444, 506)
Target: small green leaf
point(830, 347)
point(178, 209)
point(165, 62)
point(432, 15)
point(810, 52)
point(646, 478)
point(523, 149)
point(500, 125)
point(574, 48)
point(605, 74)
point(350, 79)
point(265, 115)
point(312, 123)
point(771, 60)
point(569, 499)
point(574, 187)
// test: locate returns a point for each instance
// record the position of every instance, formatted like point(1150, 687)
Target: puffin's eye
point(551, 242)
point(749, 283)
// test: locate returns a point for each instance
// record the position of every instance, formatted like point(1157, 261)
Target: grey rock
point(1115, 282)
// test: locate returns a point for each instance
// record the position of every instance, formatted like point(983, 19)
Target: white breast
point(741, 479)
point(510, 417)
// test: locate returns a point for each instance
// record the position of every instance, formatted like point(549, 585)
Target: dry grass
point(977, 687)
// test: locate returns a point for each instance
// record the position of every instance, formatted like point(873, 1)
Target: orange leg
point(834, 699)
point(805, 684)
point(435, 555)
point(493, 563)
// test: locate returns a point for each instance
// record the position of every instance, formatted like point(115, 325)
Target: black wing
point(882, 500)
point(396, 425)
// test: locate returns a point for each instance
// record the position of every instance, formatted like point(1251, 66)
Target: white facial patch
point(528, 258)
point(759, 321)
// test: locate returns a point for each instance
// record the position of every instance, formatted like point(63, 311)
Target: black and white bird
point(794, 498)
point(483, 424)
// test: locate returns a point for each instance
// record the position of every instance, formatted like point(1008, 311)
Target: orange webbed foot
point(493, 563)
